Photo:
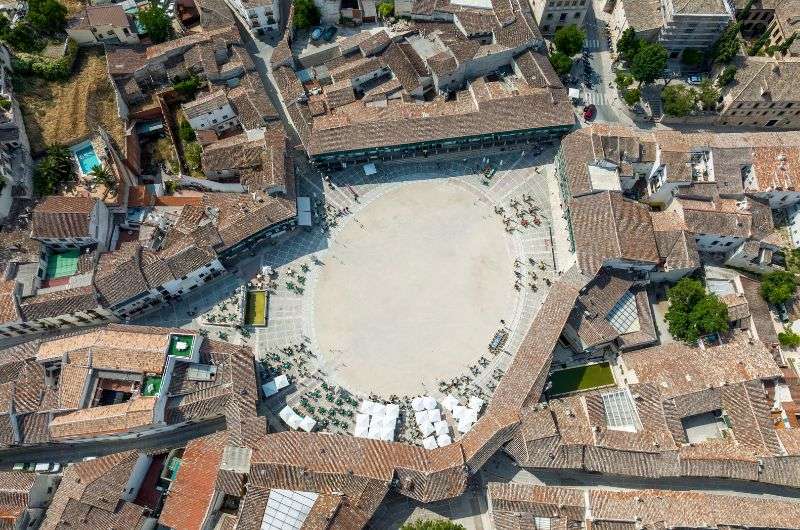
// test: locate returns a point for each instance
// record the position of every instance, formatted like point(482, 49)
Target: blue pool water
point(87, 158)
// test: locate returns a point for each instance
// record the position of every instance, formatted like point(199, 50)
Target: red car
point(589, 112)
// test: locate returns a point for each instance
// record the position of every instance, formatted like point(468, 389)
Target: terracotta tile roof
point(62, 217)
point(191, 493)
point(57, 303)
point(9, 310)
point(96, 16)
point(108, 419)
point(375, 43)
point(89, 496)
point(205, 103)
point(607, 227)
point(693, 369)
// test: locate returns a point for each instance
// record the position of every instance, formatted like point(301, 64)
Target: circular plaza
point(413, 288)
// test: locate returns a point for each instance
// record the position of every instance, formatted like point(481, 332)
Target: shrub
point(186, 132)
point(623, 80)
point(569, 40)
point(306, 14)
point(778, 287)
point(561, 63)
point(192, 153)
point(386, 9)
point(789, 338)
point(170, 187)
point(632, 96)
point(693, 312)
point(45, 67)
point(24, 38)
point(55, 169)
point(188, 87)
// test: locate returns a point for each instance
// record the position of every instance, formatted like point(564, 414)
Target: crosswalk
point(594, 97)
point(593, 44)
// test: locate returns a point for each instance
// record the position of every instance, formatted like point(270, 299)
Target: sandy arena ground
point(413, 289)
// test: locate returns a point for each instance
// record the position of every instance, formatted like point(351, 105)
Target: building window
point(563, 16)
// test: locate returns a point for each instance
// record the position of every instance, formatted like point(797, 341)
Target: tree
point(708, 95)
point(789, 338)
point(47, 17)
point(628, 44)
point(692, 57)
point(727, 46)
point(649, 63)
point(762, 41)
point(778, 287)
point(569, 40)
point(386, 9)
point(562, 64)
point(306, 14)
point(632, 96)
point(432, 524)
point(23, 38)
point(693, 312)
point(188, 87)
point(101, 176)
point(726, 76)
point(192, 153)
point(55, 169)
point(156, 22)
point(678, 100)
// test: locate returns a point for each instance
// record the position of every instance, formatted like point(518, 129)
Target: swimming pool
point(87, 158)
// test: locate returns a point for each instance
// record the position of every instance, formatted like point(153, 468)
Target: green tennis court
point(256, 310)
point(62, 264)
point(581, 378)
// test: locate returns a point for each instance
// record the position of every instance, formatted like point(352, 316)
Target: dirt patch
point(67, 111)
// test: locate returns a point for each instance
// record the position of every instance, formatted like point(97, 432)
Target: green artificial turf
point(581, 378)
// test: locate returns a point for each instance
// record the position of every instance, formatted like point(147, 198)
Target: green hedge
point(45, 67)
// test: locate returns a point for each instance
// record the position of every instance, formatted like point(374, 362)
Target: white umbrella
point(378, 409)
point(308, 424)
point(449, 402)
point(441, 427)
point(295, 420)
point(281, 381)
point(366, 407)
point(464, 425)
point(476, 403)
point(458, 411)
point(434, 415)
point(416, 404)
point(429, 443)
point(470, 415)
point(386, 420)
point(374, 431)
point(428, 402)
point(426, 428)
point(443, 440)
point(361, 431)
point(362, 420)
point(421, 417)
point(387, 433)
point(392, 411)
point(286, 413)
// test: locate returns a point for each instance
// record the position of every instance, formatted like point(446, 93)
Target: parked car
point(329, 33)
point(783, 313)
point(316, 33)
point(589, 112)
point(694, 79)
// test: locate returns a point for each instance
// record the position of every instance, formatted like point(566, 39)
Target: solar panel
point(623, 316)
point(287, 509)
point(620, 411)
